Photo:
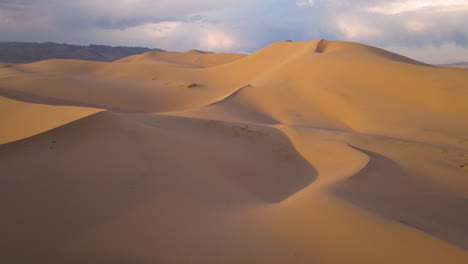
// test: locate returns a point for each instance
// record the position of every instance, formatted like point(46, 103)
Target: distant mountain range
point(23, 52)
point(457, 64)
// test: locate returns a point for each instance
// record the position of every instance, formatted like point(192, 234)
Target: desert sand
point(303, 152)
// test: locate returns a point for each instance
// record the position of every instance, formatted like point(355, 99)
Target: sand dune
point(191, 58)
point(302, 152)
point(21, 120)
point(433, 212)
point(359, 51)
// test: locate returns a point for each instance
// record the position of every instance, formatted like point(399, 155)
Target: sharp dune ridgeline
point(302, 152)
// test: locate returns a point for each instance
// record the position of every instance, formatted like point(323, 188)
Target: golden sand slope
point(191, 58)
point(308, 152)
point(21, 120)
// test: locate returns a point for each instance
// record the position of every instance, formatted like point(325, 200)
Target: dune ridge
point(302, 152)
point(191, 58)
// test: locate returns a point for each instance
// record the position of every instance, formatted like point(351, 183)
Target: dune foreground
point(303, 152)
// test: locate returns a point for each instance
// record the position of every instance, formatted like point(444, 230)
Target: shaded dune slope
point(104, 165)
point(383, 187)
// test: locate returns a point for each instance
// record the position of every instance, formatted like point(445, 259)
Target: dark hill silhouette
point(23, 52)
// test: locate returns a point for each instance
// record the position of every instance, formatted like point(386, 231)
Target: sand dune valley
point(302, 152)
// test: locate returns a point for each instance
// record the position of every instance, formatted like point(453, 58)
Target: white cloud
point(217, 40)
point(305, 3)
point(153, 9)
point(167, 24)
point(149, 30)
point(175, 35)
point(353, 28)
point(114, 13)
point(405, 6)
point(431, 31)
point(417, 26)
point(437, 54)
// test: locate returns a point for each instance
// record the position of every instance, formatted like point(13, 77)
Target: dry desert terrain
point(303, 152)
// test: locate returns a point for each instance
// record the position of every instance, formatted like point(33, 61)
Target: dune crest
point(21, 120)
point(191, 58)
point(361, 51)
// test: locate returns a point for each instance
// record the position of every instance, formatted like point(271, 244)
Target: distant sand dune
point(191, 58)
point(21, 120)
point(302, 152)
point(457, 65)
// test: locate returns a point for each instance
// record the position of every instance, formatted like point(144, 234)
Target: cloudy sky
point(434, 31)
